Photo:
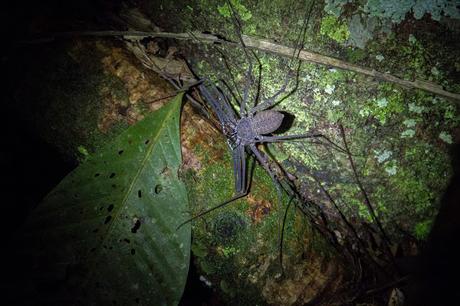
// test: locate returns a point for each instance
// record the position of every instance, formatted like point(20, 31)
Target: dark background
point(30, 167)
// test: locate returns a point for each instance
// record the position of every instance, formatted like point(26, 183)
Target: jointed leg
point(271, 101)
point(263, 161)
point(239, 168)
point(225, 105)
point(287, 137)
point(222, 110)
point(300, 136)
point(247, 54)
point(247, 86)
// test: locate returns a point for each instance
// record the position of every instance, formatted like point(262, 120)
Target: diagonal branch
point(264, 45)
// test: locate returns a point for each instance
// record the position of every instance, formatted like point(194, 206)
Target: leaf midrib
point(154, 143)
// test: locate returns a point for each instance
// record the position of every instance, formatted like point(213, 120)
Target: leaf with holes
point(107, 233)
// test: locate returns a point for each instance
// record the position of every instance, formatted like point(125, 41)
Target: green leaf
point(446, 137)
point(410, 123)
point(240, 9)
point(409, 133)
point(107, 233)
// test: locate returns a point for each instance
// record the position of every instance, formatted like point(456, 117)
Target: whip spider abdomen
point(266, 122)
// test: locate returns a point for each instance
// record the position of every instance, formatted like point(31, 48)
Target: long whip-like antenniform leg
point(239, 167)
point(235, 94)
point(287, 137)
point(248, 83)
point(234, 198)
point(263, 161)
point(282, 232)
point(299, 45)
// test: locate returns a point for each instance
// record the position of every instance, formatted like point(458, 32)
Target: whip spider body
point(249, 126)
point(244, 130)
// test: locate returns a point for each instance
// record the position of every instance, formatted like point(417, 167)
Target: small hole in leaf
point(133, 251)
point(120, 152)
point(107, 219)
point(110, 208)
point(147, 141)
point(158, 189)
point(97, 174)
point(139, 193)
point(126, 240)
point(112, 175)
point(136, 226)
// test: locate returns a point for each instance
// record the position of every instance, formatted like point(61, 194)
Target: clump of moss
point(335, 29)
